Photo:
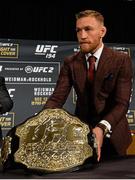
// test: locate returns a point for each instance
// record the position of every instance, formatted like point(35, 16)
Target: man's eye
point(77, 30)
point(87, 29)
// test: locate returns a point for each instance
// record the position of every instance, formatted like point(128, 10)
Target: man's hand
point(99, 138)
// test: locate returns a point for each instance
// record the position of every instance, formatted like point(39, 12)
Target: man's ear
point(103, 31)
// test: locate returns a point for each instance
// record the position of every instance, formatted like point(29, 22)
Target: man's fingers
point(98, 151)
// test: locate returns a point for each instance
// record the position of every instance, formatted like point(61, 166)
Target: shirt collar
point(97, 54)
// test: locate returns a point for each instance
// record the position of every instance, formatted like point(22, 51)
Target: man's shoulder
point(73, 57)
point(114, 52)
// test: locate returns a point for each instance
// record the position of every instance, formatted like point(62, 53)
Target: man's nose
point(83, 34)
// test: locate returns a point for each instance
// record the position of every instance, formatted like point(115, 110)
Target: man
point(6, 103)
point(102, 102)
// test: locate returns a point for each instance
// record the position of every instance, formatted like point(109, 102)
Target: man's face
point(89, 33)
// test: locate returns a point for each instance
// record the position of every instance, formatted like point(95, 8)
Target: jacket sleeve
point(123, 89)
point(6, 103)
point(62, 89)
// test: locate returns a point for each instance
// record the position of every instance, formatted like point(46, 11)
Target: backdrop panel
point(31, 69)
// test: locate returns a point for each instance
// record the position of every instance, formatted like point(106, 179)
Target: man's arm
point(62, 89)
point(123, 89)
point(122, 96)
point(6, 103)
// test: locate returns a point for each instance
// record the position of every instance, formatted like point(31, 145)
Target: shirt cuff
point(107, 124)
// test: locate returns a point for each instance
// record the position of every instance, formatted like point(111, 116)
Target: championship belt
point(51, 141)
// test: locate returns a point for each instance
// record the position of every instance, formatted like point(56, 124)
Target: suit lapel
point(102, 68)
point(80, 72)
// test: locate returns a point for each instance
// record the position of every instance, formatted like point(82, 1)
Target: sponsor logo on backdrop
point(30, 72)
point(11, 92)
point(49, 51)
point(9, 50)
point(35, 69)
point(7, 120)
point(43, 91)
point(41, 95)
point(38, 101)
point(122, 49)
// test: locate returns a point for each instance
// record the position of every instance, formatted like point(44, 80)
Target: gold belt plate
point(53, 140)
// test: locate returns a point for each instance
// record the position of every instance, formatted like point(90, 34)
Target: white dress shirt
point(97, 54)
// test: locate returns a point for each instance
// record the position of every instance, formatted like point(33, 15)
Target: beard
point(87, 47)
point(90, 46)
